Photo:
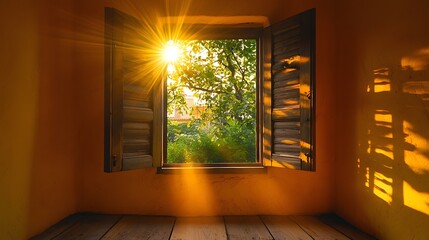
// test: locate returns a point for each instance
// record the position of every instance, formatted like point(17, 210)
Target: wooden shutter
point(128, 96)
point(289, 92)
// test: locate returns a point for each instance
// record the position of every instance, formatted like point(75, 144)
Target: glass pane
point(211, 101)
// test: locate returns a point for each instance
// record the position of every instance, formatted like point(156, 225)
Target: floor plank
point(199, 228)
point(141, 227)
point(282, 227)
point(340, 225)
point(317, 229)
point(59, 227)
point(90, 226)
point(246, 227)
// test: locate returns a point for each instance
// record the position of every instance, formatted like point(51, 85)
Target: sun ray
point(171, 51)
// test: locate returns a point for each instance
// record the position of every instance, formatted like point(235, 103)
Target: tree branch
point(238, 63)
point(204, 89)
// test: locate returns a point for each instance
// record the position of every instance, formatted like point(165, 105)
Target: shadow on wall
point(393, 162)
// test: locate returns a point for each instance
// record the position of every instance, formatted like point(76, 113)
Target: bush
point(193, 143)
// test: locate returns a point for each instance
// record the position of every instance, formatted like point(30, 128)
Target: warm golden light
point(383, 187)
point(415, 199)
point(171, 51)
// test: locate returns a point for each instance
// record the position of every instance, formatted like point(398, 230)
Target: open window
point(141, 121)
point(211, 100)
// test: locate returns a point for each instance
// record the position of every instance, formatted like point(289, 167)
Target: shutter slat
point(278, 103)
point(291, 53)
point(285, 78)
point(289, 161)
point(286, 93)
point(135, 133)
point(286, 64)
point(132, 114)
point(137, 145)
point(290, 149)
point(136, 161)
point(287, 125)
point(285, 82)
point(285, 32)
point(136, 126)
point(287, 140)
point(282, 114)
point(137, 103)
point(136, 89)
point(288, 43)
point(287, 133)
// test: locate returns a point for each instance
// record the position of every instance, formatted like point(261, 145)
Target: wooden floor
point(100, 226)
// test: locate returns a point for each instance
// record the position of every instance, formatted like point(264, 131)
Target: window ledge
point(259, 169)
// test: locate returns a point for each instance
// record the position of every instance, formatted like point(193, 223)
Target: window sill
point(246, 169)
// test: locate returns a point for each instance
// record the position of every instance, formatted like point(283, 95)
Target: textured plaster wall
point(37, 178)
point(382, 156)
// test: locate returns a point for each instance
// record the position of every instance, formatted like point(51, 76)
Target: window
point(211, 101)
point(139, 114)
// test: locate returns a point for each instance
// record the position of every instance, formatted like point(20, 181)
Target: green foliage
point(187, 143)
point(222, 76)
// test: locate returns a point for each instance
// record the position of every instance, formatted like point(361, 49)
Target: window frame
point(219, 32)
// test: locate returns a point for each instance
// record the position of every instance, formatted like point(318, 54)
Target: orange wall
point(279, 191)
point(37, 180)
point(382, 156)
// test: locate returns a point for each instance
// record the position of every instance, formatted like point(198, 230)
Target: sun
point(171, 51)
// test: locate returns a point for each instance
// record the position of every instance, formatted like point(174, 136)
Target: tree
point(221, 74)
